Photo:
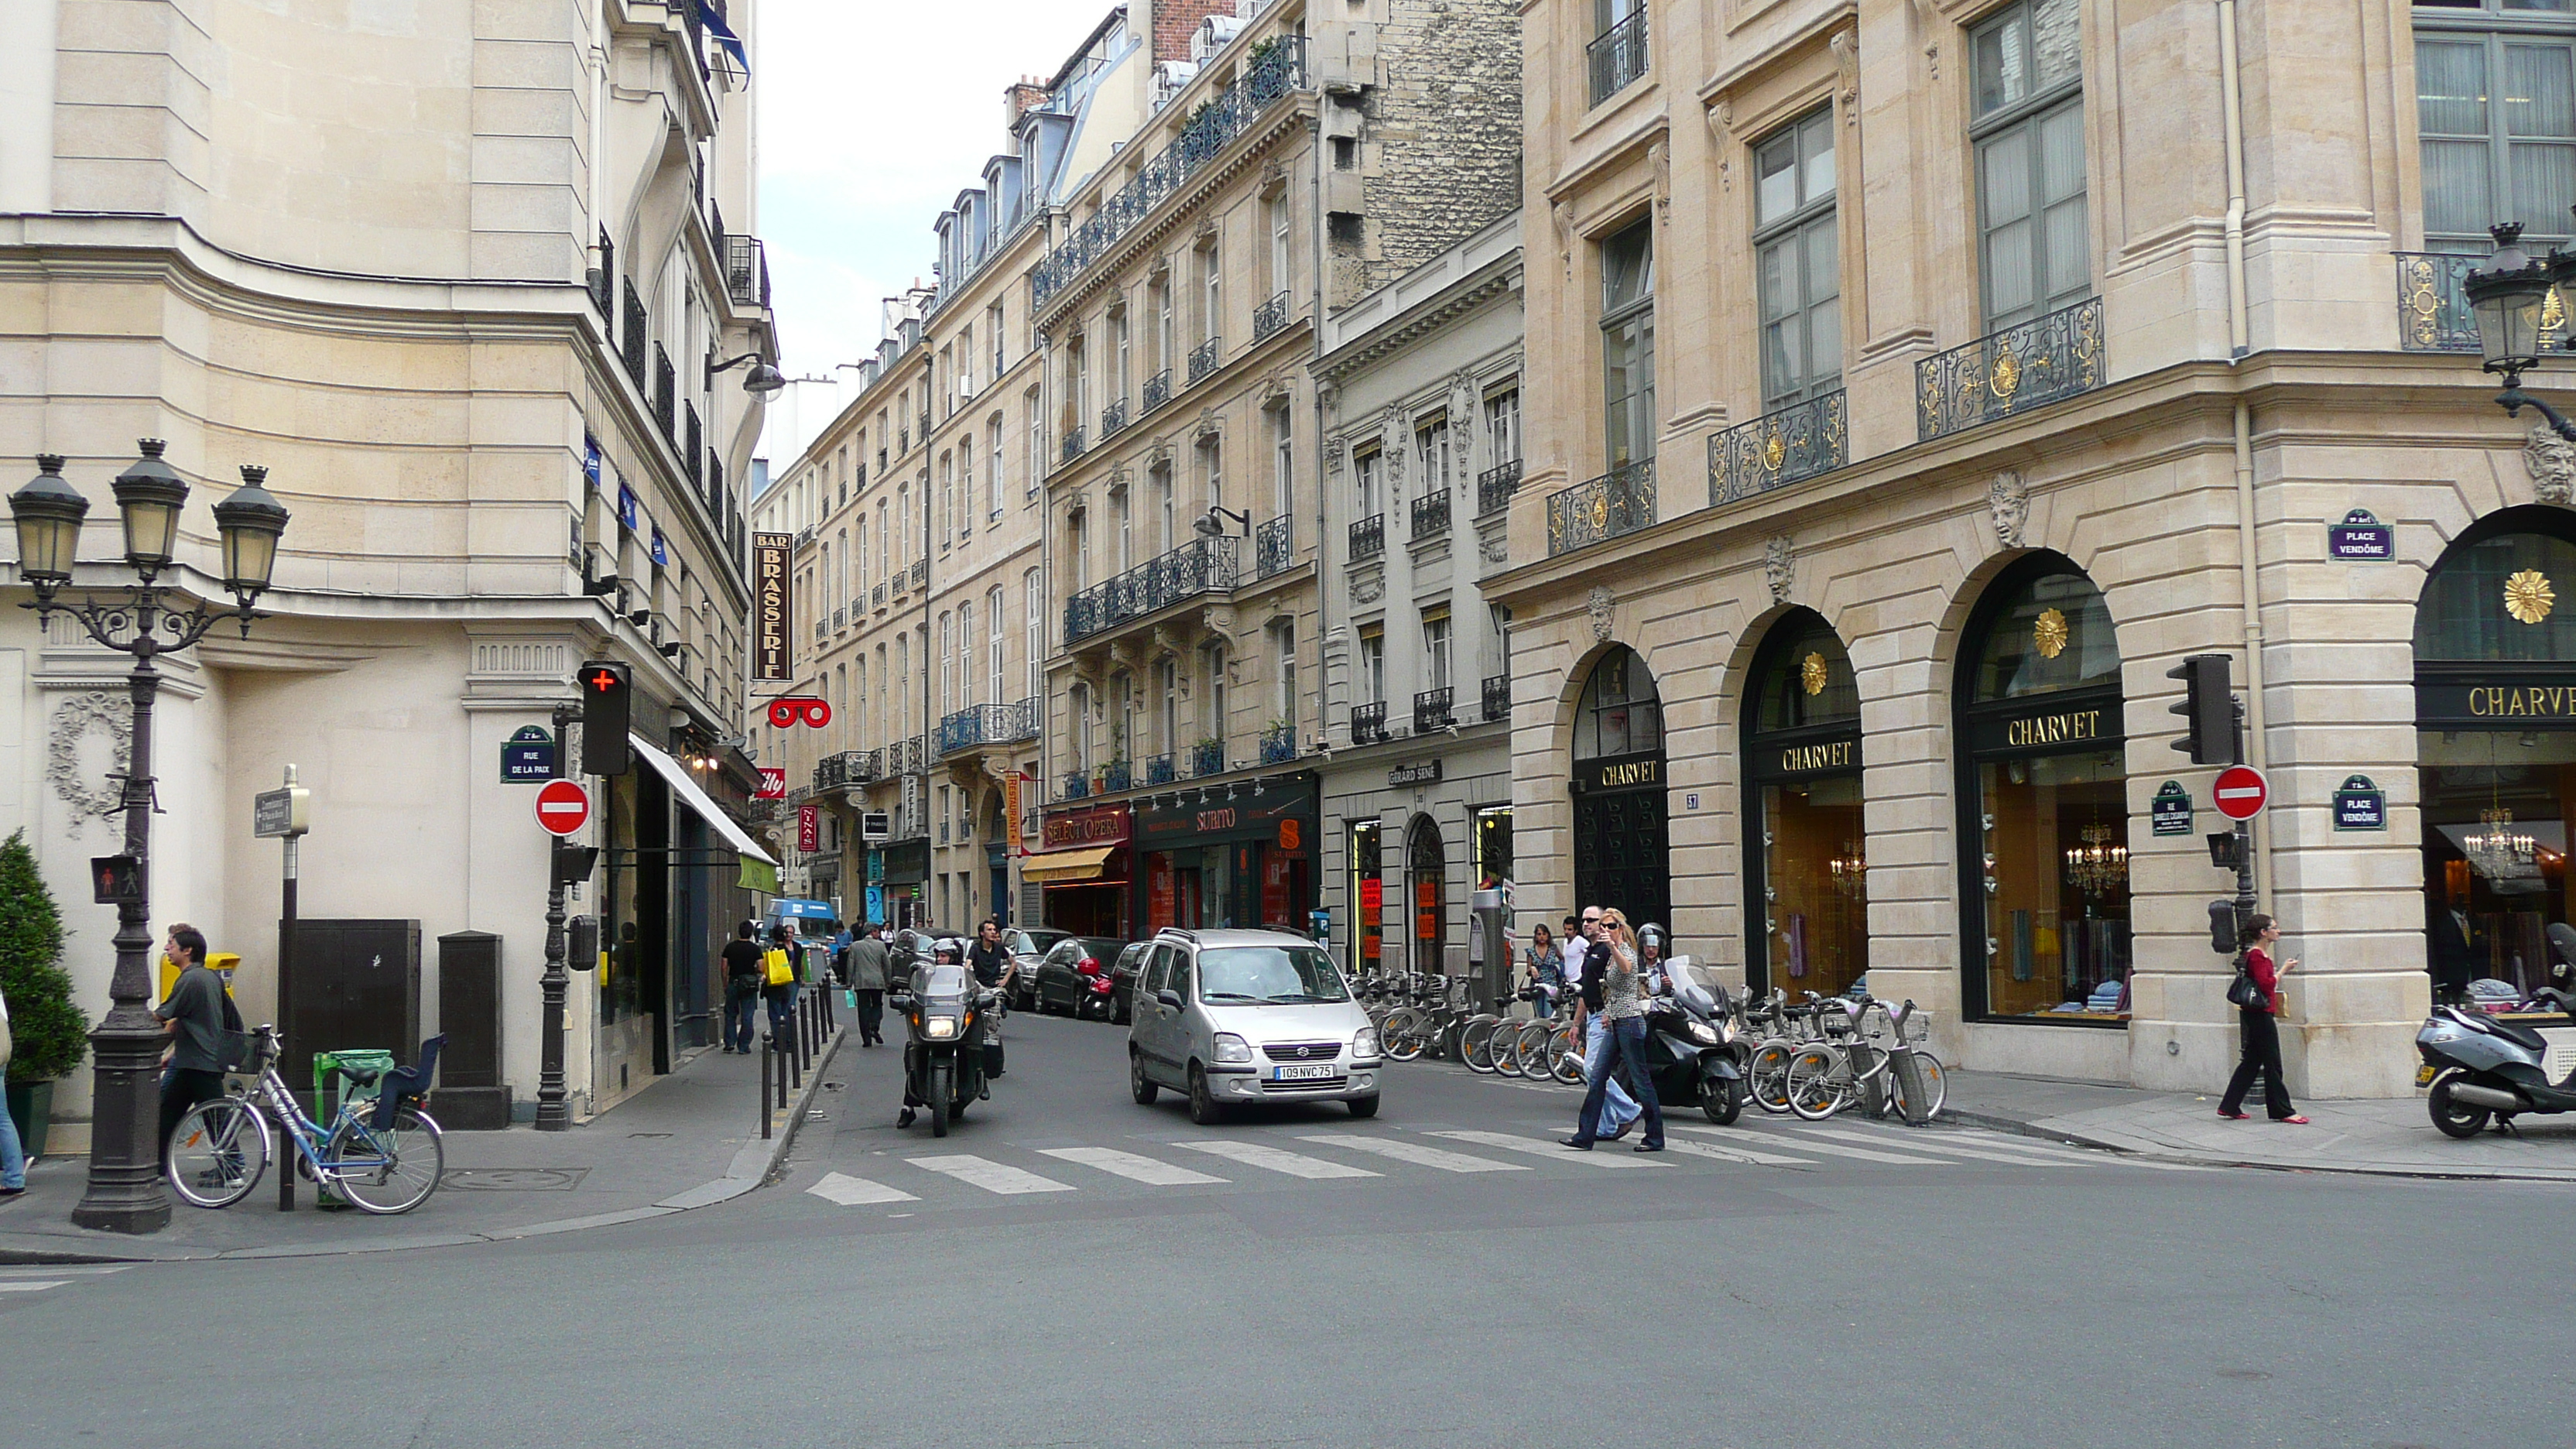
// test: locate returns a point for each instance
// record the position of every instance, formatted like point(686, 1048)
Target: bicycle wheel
point(1476, 1043)
point(1532, 1050)
point(217, 1153)
point(1768, 1079)
point(1565, 1056)
point(1404, 1035)
point(1936, 1083)
point(385, 1170)
point(1818, 1084)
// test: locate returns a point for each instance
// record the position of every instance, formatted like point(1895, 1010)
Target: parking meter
point(1489, 944)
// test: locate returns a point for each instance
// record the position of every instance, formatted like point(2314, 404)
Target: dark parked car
point(1064, 985)
point(1028, 944)
point(1122, 981)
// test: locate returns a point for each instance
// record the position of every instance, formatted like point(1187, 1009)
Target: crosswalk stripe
point(989, 1175)
point(1128, 1165)
point(1948, 1147)
point(1733, 1153)
point(30, 1285)
point(1810, 1144)
point(1413, 1152)
point(1616, 1156)
point(1253, 1154)
point(856, 1191)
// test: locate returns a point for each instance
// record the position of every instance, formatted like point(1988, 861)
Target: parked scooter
point(946, 1061)
point(1691, 1049)
point(2480, 1068)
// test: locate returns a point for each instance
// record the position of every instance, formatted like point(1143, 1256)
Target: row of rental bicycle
point(1810, 1058)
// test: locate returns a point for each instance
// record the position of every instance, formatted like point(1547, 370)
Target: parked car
point(1028, 945)
point(1122, 981)
point(1063, 983)
point(1233, 1017)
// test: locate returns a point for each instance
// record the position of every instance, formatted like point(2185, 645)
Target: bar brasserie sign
point(770, 555)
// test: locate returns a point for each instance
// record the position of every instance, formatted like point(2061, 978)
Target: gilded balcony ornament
point(2049, 634)
point(2005, 380)
point(2528, 597)
point(1773, 452)
point(1812, 672)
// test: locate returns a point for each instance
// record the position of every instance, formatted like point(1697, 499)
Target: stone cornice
point(1424, 320)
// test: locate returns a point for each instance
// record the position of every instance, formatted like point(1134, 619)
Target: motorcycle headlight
point(1703, 1033)
point(939, 1028)
point(1232, 1048)
point(1364, 1044)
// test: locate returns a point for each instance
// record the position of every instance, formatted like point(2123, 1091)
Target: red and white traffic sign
point(2240, 792)
point(563, 806)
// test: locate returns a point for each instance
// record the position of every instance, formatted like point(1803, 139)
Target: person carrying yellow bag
point(778, 983)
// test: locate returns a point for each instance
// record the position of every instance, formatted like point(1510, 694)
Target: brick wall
point(1175, 21)
point(1441, 138)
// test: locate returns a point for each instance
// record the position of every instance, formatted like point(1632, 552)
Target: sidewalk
point(2392, 1137)
point(689, 1140)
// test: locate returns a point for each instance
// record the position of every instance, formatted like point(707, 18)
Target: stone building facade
point(1912, 387)
point(1421, 381)
point(1309, 158)
point(457, 276)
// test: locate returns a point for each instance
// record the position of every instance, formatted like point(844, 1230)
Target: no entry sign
point(2240, 792)
point(563, 806)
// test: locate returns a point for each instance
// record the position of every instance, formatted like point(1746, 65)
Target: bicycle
point(384, 1155)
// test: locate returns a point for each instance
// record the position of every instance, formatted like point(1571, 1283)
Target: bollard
point(795, 1048)
point(765, 1111)
point(829, 993)
point(285, 1166)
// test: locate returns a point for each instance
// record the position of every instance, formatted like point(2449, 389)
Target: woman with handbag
point(2256, 993)
point(1546, 969)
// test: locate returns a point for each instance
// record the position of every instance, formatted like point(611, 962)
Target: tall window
point(1167, 504)
point(1160, 298)
point(947, 663)
point(1279, 253)
point(885, 537)
point(1372, 680)
point(947, 497)
point(1431, 451)
point(1167, 695)
point(993, 643)
point(865, 728)
point(1033, 603)
point(1212, 699)
point(966, 484)
point(966, 654)
point(1283, 470)
point(1435, 648)
point(1365, 468)
point(1212, 470)
point(903, 520)
point(993, 330)
point(1037, 441)
point(1076, 554)
point(1283, 654)
point(1122, 508)
point(1503, 424)
point(993, 471)
point(1798, 262)
point(1211, 293)
point(863, 557)
point(2494, 107)
point(1628, 344)
point(1118, 334)
point(1077, 385)
point(1122, 734)
point(2027, 83)
point(1077, 744)
point(966, 362)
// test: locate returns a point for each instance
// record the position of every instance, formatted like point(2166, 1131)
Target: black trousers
point(181, 1089)
point(871, 1014)
point(2263, 1054)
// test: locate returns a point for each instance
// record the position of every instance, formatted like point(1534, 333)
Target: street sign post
point(285, 815)
point(563, 806)
point(2240, 792)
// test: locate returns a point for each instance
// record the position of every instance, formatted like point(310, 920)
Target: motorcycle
point(2479, 1068)
point(1693, 1052)
point(947, 1063)
point(1094, 987)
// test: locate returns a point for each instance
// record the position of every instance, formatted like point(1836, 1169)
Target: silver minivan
point(1232, 1017)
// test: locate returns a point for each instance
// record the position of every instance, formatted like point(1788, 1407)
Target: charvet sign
point(2089, 720)
point(2459, 700)
point(1076, 829)
point(1619, 772)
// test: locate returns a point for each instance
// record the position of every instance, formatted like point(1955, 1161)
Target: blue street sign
point(528, 757)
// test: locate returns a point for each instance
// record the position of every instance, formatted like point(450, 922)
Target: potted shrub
point(49, 1034)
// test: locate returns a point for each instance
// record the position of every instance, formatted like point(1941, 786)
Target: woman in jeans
point(1623, 1020)
point(1546, 969)
point(2262, 1031)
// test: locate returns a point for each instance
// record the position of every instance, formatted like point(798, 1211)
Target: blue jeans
point(1618, 1108)
point(740, 993)
point(13, 1158)
point(782, 1014)
point(1627, 1040)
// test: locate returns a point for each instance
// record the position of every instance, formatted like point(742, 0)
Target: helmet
point(1652, 933)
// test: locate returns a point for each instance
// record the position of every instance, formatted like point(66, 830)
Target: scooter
point(1692, 1052)
point(2479, 1068)
point(947, 1064)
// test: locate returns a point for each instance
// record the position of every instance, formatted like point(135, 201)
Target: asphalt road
point(1068, 1268)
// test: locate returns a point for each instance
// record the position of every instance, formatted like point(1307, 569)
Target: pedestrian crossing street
point(946, 1174)
point(20, 1285)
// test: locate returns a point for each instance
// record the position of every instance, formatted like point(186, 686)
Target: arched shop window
point(1620, 853)
point(1807, 897)
point(2495, 702)
point(1426, 870)
point(2044, 829)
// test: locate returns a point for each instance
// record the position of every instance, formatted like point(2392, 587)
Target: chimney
point(1027, 95)
point(1175, 21)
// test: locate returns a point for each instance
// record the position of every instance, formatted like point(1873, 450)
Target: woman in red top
point(2262, 1033)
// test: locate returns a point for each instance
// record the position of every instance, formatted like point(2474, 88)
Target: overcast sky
point(874, 114)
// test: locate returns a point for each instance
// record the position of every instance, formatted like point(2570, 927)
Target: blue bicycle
point(383, 1154)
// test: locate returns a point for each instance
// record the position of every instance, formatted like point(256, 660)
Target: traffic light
point(2207, 708)
point(604, 714)
point(2222, 927)
point(581, 943)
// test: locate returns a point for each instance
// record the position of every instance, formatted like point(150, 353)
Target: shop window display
point(1807, 872)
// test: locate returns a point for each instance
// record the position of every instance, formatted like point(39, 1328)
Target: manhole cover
point(513, 1179)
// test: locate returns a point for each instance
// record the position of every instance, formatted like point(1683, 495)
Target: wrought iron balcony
point(2432, 315)
point(1431, 515)
point(1269, 317)
point(1075, 786)
point(921, 573)
point(865, 767)
point(693, 446)
point(978, 725)
point(1201, 566)
point(666, 382)
point(1619, 501)
point(1072, 444)
point(1274, 68)
point(1274, 547)
point(877, 596)
point(1159, 770)
point(1779, 448)
point(1495, 487)
point(1278, 744)
point(746, 271)
point(1112, 418)
point(631, 335)
point(1431, 710)
point(1203, 358)
point(1158, 390)
point(1618, 57)
point(1207, 758)
point(1114, 777)
point(1368, 537)
point(603, 279)
point(2010, 372)
point(1368, 723)
point(840, 620)
point(1498, 697)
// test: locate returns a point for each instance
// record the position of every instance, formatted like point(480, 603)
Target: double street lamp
point(124, 1192)
point(2517, 300)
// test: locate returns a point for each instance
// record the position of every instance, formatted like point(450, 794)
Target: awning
point(1062, 865)
point(759, 867)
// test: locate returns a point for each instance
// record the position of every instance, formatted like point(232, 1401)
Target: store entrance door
point(1621, 857)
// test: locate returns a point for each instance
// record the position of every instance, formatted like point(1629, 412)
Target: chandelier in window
point(1850, 871)
point(2098, 866)
point(2496, 847)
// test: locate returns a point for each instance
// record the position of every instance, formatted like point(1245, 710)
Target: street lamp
point(2514, 298)
point(124, 1193)
point(761, 381)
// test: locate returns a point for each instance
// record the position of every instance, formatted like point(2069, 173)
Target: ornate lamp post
point(124, 1166)
point(2517, 301)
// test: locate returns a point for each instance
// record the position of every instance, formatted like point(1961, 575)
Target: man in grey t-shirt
point(193, 1017)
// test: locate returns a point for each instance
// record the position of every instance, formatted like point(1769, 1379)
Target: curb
point(2020, 1128)
point(751, 1168)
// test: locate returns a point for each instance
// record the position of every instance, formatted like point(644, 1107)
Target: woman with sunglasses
point(1623, 1016)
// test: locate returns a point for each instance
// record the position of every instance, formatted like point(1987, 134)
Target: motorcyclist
point(945, 951)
